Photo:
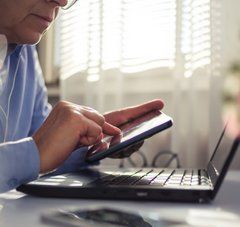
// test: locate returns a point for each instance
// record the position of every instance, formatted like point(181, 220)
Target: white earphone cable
point(6, 115)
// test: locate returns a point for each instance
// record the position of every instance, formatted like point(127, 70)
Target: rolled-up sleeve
point(19, 163)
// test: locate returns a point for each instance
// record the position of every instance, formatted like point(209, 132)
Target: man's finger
point(142, 109)
point(128, 151)
point(91, 114)
point(109, 129)
point(91, 133)
point(126, 114)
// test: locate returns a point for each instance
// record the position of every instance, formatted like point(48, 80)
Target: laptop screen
point(221, 152)
point(221, 158)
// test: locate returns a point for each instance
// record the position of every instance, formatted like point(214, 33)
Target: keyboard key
point(203, 173)
point(158, 181)
point(132, 179)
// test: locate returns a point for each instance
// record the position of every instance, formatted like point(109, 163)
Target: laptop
point(158, 184)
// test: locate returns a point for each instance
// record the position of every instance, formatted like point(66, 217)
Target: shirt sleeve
point(75, 161)
point(41, 106)
point(41, 110)
point(19, 163)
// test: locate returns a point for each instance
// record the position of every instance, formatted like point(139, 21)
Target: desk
point(17, 209)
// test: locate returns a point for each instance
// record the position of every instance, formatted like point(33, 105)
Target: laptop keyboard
point(156, 177)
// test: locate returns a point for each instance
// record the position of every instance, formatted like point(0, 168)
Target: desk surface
point(17, 209)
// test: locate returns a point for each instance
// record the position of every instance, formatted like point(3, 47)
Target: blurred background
point(111, 54)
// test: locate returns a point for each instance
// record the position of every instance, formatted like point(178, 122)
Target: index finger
point(91, 114)
point(109, 129)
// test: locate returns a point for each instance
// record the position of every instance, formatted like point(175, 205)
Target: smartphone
point(101, 217)
point(132, 132)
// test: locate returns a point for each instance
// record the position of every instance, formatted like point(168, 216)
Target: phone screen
point(131, 132)
point(101, 217)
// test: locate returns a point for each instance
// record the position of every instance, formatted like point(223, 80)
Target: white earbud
point(3, 49)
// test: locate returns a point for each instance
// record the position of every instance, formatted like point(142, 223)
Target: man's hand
point(124, 115)
point(67, 127)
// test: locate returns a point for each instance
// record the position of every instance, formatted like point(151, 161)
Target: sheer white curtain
point(112, 54)
point(197, 92)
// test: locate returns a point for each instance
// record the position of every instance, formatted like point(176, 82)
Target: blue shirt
point(23, 108)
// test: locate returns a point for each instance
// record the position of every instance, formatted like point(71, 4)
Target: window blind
point(131, 35)
point(135, 35)
point(196, 35)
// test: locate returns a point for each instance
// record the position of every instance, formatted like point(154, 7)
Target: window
point(132, 35)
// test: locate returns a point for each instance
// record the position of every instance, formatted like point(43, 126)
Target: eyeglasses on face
point(69, 4)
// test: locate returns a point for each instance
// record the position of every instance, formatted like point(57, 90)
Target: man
point(35, 139)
